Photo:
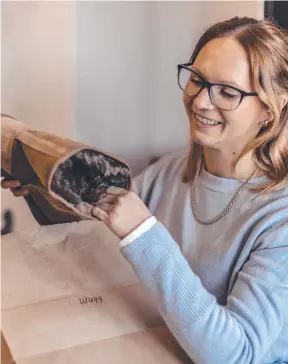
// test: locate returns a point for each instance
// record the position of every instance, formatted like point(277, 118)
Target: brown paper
point(69, 296)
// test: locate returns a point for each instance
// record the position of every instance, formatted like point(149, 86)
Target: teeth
point(206, 121)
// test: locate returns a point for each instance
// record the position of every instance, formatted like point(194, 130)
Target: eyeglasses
point(223, 96)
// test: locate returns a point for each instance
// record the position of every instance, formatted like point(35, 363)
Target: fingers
point(19, 192)
point(107, 207)
point(15, 187)
point(11, 184)
point(108, 199)
point(115, 191)
point(100, 214)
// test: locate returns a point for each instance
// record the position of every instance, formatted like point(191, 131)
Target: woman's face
point(223, 60)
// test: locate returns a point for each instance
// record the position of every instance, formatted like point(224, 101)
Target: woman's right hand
point(15, 187)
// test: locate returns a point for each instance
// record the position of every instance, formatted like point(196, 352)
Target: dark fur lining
point(83, 178)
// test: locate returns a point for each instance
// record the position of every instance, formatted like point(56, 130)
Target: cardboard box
point(70, 297)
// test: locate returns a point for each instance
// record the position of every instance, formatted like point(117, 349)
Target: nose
point(203, 101)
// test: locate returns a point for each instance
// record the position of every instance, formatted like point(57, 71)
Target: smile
point(205, 121)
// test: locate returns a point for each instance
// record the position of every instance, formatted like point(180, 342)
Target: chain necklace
point(227, 208)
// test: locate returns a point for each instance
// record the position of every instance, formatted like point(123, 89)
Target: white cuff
point(141, 229)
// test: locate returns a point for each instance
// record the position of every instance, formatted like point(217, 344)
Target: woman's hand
point(15, 187)
point(122, 211)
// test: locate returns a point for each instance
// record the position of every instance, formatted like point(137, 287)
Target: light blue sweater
point(222, 289)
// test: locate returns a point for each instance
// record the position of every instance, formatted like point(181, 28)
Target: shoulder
point(276, 204)
point(155, 177)
point(273, 225)
point(170, 164)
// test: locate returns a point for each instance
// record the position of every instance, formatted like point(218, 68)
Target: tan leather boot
point(64, 178)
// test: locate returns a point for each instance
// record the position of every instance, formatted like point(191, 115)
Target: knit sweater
point(222, 289)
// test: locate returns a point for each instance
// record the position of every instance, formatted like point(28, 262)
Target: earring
point(264, 123)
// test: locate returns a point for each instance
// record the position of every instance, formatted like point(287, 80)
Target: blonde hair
point(266, 45)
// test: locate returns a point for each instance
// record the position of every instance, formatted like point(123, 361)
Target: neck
point(220, 164)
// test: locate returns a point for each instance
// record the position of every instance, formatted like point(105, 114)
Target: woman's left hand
point(122, 211)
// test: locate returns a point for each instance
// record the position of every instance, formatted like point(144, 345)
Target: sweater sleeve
point(240, 332)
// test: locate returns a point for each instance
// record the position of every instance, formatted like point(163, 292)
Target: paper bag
point(69, 296)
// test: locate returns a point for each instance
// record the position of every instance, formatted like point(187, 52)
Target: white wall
point(113, 77)
point(103, 72)
point(38, 63)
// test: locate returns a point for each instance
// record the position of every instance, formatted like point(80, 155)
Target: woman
point(210, 241)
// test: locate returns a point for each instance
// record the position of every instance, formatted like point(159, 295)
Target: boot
point(65, 178)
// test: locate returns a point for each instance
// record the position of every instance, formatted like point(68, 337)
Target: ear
point(267, 115)
point(284, 100)
point(270, 116)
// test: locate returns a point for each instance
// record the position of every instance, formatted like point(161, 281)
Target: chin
point(206, 138)
point(204, 141)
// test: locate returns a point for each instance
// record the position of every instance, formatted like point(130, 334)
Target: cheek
point(187, 101)
point(241, 122)
point(250, 111)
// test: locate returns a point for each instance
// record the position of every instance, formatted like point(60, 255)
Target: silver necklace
point(227, 208)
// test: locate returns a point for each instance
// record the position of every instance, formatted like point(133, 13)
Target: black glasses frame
point(207, 84)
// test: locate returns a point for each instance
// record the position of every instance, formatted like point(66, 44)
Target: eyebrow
point(231, 83)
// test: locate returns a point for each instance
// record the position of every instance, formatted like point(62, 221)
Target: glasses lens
point(189, 82)
point(225, 97)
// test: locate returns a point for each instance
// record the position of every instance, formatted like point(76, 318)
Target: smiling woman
point(251, 56)
point(214, 253)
